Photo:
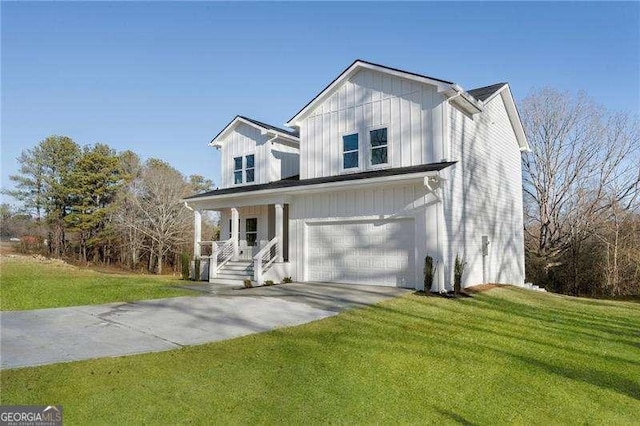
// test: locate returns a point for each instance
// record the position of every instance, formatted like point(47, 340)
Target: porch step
point(231, 276)
point(238, 266)
point(225, 281)
point(235, 272)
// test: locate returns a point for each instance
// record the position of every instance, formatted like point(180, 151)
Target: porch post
point(279, 230)
point(197, 233)
point(235, 222)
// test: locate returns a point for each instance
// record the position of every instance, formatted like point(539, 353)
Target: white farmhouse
point(381, 169)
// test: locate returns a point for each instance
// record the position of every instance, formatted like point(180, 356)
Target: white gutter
point(457, 91)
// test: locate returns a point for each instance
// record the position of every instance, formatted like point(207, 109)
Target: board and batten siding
point(386, 202)
point(484, 197)
point(272, 163)
point(411, 111)
point(284, 161)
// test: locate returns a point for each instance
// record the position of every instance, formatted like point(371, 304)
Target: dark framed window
point(237, 170)
point(379, 146)
point(350, 151)
point(250, 168)
point(251, 231)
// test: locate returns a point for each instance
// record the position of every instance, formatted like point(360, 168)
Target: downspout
point(440, 237)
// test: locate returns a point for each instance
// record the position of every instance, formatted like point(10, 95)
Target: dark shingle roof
point(295, 180)
point(483, 93)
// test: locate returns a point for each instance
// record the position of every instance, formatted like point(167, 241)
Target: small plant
point(287, 280)
point(268, 282)
point(184, 259)
point(247, 283)
point(196, 270)
point(429, 272)
point(458, 271)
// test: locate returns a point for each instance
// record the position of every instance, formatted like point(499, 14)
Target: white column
point(279, 230)
point(235, 228)
point(197, 233)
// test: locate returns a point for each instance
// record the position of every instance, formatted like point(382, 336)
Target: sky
point(162, 79)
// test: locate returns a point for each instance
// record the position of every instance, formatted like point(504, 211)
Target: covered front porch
point(253, 243)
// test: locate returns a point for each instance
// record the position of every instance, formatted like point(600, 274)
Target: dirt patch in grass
point(34, 259)
point(482, 288)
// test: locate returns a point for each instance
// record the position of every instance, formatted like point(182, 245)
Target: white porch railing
point(221, 253)
point(265, 257)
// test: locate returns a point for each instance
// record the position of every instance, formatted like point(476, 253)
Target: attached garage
point(362, 252)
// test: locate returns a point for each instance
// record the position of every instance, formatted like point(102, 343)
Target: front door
point(251, 238)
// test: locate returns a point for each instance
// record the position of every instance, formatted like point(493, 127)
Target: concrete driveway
point(48, 336)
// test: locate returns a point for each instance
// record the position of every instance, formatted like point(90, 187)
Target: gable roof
point(291, 135)
point(484, 93)
point(356, 66)
point(487, 93)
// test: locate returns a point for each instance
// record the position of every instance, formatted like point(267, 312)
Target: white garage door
point(374, 253)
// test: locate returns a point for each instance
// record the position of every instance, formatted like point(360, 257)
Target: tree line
point(581, 195)
point(93, 204)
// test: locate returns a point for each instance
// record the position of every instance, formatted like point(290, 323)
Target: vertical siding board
point(325, 168)
point(396, 134)
point(416, 134)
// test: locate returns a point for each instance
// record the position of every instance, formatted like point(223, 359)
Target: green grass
point(32, 285)
point(504, 356)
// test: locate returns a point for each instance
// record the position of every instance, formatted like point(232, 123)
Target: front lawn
point(32, 283)
point(504, 356)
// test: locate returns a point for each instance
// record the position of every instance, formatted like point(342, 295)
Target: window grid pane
point(250, 161)
point(350, 143)
point(350, 160)
point(379, 155)
point(378, 137)
point(237, 177)
point(350, 151)
point(237, 163)
point(250, 175)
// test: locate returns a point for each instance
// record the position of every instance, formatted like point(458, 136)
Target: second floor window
point(249, 168)
point(350, 151)
point(244, 174)
point(237, 170)
point(378, 146)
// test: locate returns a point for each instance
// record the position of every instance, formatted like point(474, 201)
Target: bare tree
point(583, 162)
point(159, 213)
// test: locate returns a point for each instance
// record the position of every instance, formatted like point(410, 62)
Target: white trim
point(370, 148)
point(514, 118)
point(243, 170)
point(359, 151)
point(347, 74)
point(217, 142)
